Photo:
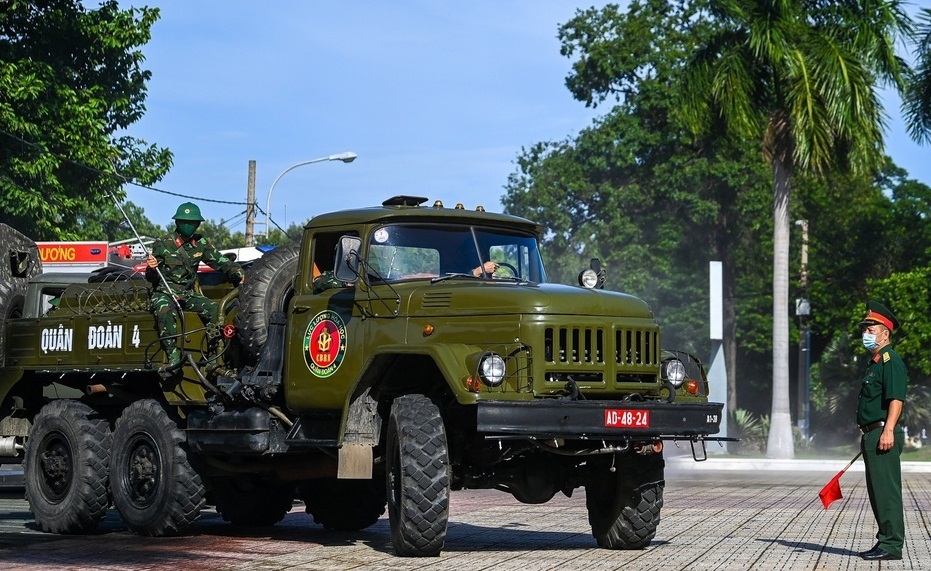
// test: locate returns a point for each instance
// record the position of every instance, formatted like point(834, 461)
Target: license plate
point(621, 418)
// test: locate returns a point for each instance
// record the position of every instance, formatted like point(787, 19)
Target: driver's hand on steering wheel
point(488, 267)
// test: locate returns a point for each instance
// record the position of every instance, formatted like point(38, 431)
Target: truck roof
point(408, 208)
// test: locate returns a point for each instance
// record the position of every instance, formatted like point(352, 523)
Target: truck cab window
point(421, 251)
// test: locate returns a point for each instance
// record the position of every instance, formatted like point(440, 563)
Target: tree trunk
point(730, 334)
point(780, 443)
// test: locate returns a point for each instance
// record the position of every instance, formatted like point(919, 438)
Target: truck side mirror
point(348, 258)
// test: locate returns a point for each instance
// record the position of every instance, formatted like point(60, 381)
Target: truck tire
point(65, 465)
point(12, 301)
point(250, 501)
point(155, 488)
point(268, 289)
point(624, 506)
point(418, 477)
point(344, 505)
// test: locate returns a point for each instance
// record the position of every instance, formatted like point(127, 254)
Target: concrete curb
point(766, 464)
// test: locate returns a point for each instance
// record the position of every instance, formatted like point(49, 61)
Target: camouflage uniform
point(178, 261)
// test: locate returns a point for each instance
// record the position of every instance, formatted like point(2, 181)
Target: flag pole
point(831, 491)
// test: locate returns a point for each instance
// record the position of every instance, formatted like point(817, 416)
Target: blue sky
point(436, 98)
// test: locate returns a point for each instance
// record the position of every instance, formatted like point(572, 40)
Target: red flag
point(831, 491)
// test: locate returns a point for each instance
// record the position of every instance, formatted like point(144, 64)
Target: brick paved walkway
point(721, 520)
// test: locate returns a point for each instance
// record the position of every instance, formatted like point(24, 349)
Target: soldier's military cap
point(877, 313)
point(189, 211)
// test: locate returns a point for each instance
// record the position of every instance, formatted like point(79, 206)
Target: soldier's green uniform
point(886, 380)
point(178, 257)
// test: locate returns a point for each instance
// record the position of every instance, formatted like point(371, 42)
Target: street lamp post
point(803, 312)
point(346, 157)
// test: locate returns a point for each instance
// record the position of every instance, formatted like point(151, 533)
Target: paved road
point(713, 519)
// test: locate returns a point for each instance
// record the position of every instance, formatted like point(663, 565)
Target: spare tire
point(268, 288)
point(11, 307)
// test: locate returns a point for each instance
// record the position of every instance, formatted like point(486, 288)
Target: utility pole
point(803, 312)
point(250, 206)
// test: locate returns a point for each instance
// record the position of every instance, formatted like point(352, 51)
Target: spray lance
point(157, 270)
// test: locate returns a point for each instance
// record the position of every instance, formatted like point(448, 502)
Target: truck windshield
point(420, 251)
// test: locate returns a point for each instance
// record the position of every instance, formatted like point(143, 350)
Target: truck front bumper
point(598, 420)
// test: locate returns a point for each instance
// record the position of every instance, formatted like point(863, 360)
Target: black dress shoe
point(880, 555)
point(871, 550)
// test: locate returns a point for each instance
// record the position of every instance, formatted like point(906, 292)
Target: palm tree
point(802, 77)
point(917, 96)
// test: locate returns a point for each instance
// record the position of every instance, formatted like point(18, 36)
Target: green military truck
point(397, 353)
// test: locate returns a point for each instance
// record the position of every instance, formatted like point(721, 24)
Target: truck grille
point(629, 347)
point(589, 354)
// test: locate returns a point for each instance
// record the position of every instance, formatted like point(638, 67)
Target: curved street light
point(346, 157)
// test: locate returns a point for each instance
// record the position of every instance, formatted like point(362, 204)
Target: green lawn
point(923, 454)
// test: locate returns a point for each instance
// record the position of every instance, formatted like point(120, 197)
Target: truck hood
point(508, 298)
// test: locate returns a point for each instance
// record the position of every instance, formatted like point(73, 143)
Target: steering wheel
point(509, 267)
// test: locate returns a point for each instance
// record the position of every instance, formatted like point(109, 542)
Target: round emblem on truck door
point(325, 343)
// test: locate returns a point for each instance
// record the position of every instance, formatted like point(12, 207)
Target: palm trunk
point(780, 444)
point(730, 334)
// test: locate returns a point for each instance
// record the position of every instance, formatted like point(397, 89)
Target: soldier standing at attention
point(882, 397)
point(177, 257)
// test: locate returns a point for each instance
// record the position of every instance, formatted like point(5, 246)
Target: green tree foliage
point(801, 77)
point(910, 294)
point(71, 82)
point(916, 99)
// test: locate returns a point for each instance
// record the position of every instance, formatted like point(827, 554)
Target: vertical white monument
point(717, 367)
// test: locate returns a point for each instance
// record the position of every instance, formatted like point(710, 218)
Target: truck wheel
point(624, 506)
point(155, 489)
point(250, 501)
point(418, 477)
point(344, 505)
point(11, 307)
point(66, 461)
point(268, 289)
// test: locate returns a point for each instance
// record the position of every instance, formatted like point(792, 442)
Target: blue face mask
point(869, 341)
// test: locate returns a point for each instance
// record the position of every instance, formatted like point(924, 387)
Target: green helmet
point(189, 211)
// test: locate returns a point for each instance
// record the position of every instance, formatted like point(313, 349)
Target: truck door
point(323, 355)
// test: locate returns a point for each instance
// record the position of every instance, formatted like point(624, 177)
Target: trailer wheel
point(12, 301)
point(268, 289)
point(66, 461)
point(624, 505)
point(418, 477)
point(155, 488)
point(344, 505)
point(250, 501)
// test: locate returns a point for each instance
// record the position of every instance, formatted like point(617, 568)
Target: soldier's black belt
point(872, 426)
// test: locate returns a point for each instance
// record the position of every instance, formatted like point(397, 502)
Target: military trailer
point(394, 355)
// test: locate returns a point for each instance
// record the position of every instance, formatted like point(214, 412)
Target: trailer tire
point(250, 501)
point(268, 289)
point(624, 506)
point(12, 301)
point(344, 505)
point(155, 488)
point(65, 464)
point(418, 477)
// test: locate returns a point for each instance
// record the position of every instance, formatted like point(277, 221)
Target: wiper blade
point(454, 275)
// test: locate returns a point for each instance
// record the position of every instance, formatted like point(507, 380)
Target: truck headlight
point(491, 369)
point(588, 279)
point(674, 372)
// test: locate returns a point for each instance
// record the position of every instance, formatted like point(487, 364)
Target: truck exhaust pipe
point(9, 447)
